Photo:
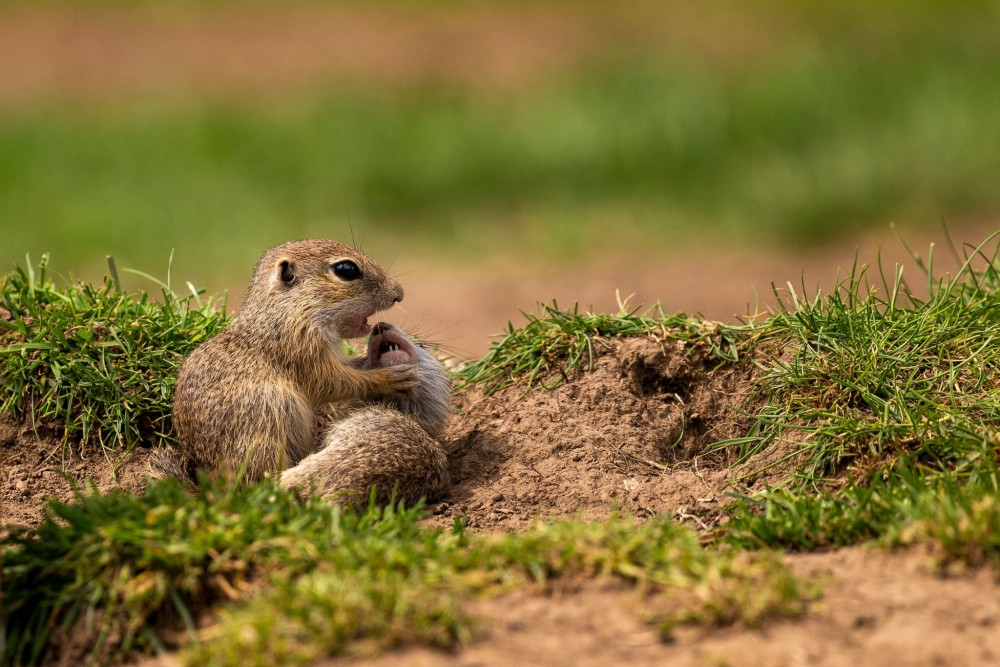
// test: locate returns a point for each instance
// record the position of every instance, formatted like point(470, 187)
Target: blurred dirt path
point(268, 51)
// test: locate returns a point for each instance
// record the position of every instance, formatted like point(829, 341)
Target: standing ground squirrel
point(251, 394)
point(390, 444)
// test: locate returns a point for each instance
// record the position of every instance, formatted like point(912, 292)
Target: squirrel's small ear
point(286, 271)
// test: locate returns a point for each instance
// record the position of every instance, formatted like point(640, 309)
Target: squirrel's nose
point(397, 294)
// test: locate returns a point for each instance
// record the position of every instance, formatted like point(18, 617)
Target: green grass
point(338, 581)
point(856, 117)
point(878, 374)
point(548, 348)
point(957, 518)
point(99, 361)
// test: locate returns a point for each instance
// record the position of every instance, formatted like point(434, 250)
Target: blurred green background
point(549, 132)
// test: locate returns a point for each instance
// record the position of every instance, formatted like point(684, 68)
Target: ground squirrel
point(251, 394)
point(390, 444)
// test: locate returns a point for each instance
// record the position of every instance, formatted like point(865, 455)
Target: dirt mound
point(632, 433)
point(34, 470)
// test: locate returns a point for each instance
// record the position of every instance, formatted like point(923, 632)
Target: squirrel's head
point(321, 283)
point(430, 402)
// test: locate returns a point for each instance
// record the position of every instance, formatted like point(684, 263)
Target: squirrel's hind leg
point(375, 447)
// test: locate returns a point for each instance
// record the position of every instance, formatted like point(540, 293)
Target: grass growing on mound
point(887, 404)
point(101, 361)
point(957, 518)
point(869, 375)
point(880, 375)
point(135, 569)
point(548, 348)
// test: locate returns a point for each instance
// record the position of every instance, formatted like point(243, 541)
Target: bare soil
point(36, 465)
point(632, 434)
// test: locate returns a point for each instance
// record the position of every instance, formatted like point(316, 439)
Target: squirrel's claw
point(402, 378)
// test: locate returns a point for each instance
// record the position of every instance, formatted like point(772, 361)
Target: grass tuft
point(100, 361)
point(875, 375)
point(957, 518)
point(336, 581)
point(548, 348)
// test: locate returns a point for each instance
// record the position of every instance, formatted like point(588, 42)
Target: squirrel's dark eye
point(347, 270)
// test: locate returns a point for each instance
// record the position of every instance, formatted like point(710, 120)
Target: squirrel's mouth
point(388, 347)
point(356, 327)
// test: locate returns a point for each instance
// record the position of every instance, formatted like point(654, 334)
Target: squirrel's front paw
point(402, 379)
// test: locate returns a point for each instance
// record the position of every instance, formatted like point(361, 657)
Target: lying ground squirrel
point(390, 445)
point(251, 394)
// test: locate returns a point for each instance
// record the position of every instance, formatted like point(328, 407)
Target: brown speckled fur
point(389, 444)
point(251, 394)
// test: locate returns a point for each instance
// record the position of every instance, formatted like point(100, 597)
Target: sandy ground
point(633, 432)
